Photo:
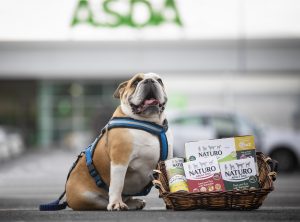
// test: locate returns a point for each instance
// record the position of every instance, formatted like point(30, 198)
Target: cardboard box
point(239, 174)
point(203, 175)
point(224, 149)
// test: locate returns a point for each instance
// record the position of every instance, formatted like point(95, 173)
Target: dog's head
point(143, 96)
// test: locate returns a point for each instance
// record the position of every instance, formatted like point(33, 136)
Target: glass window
point(224, 126)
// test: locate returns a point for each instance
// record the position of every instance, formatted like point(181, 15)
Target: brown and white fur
point(123, 157)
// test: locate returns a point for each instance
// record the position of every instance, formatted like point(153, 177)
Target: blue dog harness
point(116, 122)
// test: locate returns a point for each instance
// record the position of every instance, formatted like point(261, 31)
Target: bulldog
point(124, 157)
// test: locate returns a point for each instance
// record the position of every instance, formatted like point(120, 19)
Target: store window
point(72, 110)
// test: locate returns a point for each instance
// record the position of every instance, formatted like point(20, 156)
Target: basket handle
point(158, 185)
point(273, 164)
point(154, 177)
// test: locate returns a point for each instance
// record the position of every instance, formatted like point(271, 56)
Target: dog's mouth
point(148, 102)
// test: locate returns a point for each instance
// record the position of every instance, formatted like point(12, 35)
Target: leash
point(55, 205)
point(116, 122)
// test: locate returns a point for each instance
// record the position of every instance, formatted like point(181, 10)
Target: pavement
point(39, 177)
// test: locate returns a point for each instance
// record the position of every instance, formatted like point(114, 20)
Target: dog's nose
point(147, 81)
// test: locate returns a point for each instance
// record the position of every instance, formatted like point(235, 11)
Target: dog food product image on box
point(203, 175)
point(224, 149)
point(175, 175)
point(245, 147)
point(239, 174)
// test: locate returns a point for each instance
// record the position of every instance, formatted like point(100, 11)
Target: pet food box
point(224, 149)
point(239, 174)
point(203, 175)
point(236, 157)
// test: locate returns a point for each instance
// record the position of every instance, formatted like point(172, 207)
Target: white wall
point(202, 19)
point(121, 59)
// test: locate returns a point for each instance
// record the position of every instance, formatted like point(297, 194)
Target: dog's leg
point(117, 175)
point(81, 198)
point(92, 201)
point(135, 204)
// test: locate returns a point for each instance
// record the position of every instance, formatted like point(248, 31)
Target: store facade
point(226, 56)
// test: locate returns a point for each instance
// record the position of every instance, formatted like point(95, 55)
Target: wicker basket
point(228, 200)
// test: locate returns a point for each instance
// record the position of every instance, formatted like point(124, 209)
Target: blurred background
point(230, 68)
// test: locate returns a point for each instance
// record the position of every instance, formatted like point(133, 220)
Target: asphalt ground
point(39, 177)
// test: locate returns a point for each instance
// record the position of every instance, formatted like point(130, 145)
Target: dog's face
point(143, 95)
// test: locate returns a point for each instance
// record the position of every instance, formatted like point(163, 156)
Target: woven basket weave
point(228, 200)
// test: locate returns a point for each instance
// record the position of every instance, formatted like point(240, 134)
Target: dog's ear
point(120, 90)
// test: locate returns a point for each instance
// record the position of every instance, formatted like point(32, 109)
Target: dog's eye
point(160, 82)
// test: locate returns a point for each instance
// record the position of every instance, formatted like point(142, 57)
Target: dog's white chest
point(146, 150)
point(144, 158)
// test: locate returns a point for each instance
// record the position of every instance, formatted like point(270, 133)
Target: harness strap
point(152, 128)
point(89, 163)
point(125, 122)
point(164, 146)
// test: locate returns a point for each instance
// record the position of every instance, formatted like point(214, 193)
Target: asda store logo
point(132, 13)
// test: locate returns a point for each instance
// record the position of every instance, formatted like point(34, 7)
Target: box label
point(203, 175)
point(224, 149)
point(175, 174)
point(239, 174)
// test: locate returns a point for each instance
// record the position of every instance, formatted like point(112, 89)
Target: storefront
point(73, 54)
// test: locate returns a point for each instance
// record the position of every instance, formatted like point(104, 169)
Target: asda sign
point(131, 13)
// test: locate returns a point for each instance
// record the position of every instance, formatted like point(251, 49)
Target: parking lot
point(38, 177)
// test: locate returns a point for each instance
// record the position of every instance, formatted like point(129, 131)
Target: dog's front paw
point(117, 205)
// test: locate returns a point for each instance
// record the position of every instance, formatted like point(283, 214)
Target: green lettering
point(148, 5)
point(106, 7)
point(170, 5)
point(83, 13)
